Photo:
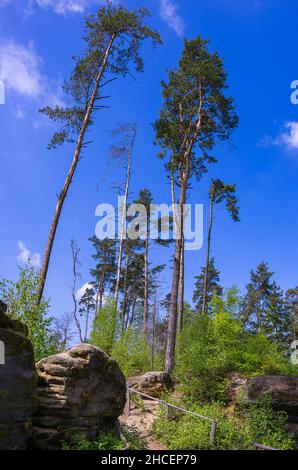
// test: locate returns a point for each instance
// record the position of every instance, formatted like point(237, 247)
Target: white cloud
point(287, 138)
point(61, 7)
point(24, 255)
point(67, 6)
point(20, 69)
point(168, 11)
point(81, 291)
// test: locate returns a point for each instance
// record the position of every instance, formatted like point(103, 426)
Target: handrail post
point(127, 402)
point(213, 432)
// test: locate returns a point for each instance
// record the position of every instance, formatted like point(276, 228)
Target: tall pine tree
point(196, 113)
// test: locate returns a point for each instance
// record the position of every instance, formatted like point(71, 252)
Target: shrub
point(20, 299)
point(258, 424)
point(104, 327)
point(132, 352)
point(211, 346)
point(106, 441)
point(136, 442)
point(266, 426)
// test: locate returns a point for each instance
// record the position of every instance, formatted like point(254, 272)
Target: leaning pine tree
point(113, 37)
point(218, 193)
point(195, 114)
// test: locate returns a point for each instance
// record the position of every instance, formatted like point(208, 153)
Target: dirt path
point(142, 418)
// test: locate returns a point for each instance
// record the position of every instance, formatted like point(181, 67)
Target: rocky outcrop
point(282, 389)
point(153, 384)
point(80, 391)
point(236, 383)
point(17, 384)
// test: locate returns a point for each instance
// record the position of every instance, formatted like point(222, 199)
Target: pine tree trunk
point(185, 158)
point(67, 183)
point(99, 294)
point(205, 289)
point(172, 325)
point(153, 333)
point(124, 302)
point(102, 289)
point(75, 254)
point(181, 290)
point(145, 317)
point(133, 311)
point(86, 324)
point(123, 218)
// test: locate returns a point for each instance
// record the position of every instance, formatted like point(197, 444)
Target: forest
point(204, 341)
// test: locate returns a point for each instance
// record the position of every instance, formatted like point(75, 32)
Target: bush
point(106, 441)
point(20, 299)
point(266, 426)
point(258, 424)
point(104, 327)
point(132, 352)
point(211, 346)
point(206, 351)
point(136, 442)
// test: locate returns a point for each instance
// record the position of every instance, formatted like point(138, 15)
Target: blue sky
point(257, 39)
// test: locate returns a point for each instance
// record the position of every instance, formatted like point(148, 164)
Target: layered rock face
point(282, 389)
point(153, 384)
point(80, 391)
point(18, 397)
point(284, 393)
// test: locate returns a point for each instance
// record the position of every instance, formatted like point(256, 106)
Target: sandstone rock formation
point(80, 391)
point(283, 390)
point(152, 383)
point(236, 383)
point(17, 384)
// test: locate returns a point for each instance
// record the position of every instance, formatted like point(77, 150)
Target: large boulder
point(17, 384)
point(153, 384)
point(81, 391)
point(283, 390)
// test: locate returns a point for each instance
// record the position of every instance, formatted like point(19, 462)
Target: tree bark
point(153, 333)
point(133, 310)
point(205, 289)
point(123, 218)
point(75, 254)
point(67, 183)
point(124, 302)
point(172, 325)
point(99, 295)
point(146, 262)
point(181, 290)
point(185, 157)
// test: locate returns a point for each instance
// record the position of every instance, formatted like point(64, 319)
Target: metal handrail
point(169, 405)
point(261, 447)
